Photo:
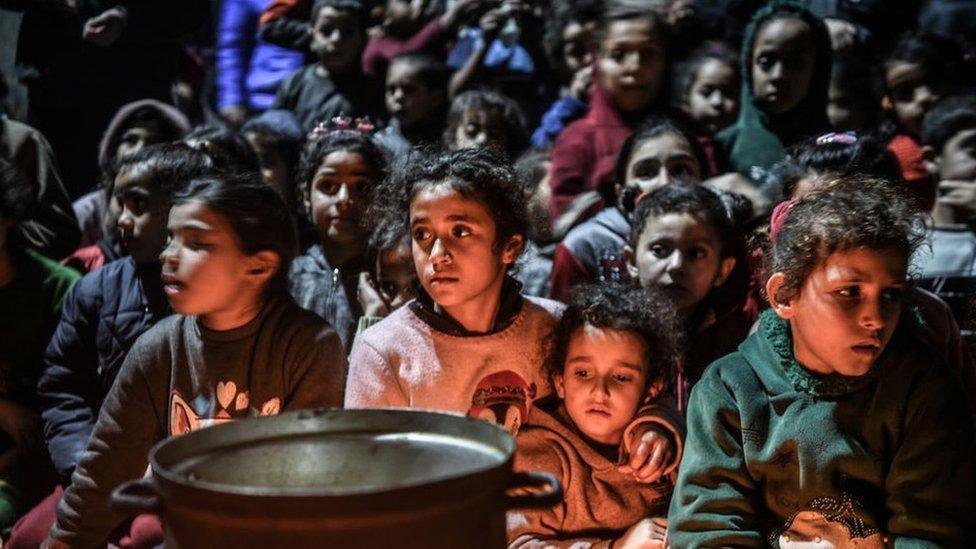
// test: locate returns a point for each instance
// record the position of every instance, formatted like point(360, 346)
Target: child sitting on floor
point(838, 423)
point(614, 349)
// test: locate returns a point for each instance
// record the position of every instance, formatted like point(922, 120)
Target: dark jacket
point(327, 292)
point(101, 319)
point(592, 252)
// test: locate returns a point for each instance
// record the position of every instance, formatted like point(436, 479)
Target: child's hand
point(843, 34)
point(649, 533)
point(459, 12)
point(105, 28)
point(491, 24)
point(579, 88)
point(651, 456)
point(369, 297)
point(958, 194)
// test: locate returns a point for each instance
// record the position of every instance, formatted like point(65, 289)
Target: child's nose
point(872, 314)
point(438, 251)
point(600, 389)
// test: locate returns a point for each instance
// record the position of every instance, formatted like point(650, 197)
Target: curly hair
point(495, 106)
point(848, 213)
point(648, 314)
point(484, 175)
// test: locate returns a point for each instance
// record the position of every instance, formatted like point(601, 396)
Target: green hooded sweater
point(776, 453)
point(758, 140)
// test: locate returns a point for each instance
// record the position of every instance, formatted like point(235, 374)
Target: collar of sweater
point(508, 309)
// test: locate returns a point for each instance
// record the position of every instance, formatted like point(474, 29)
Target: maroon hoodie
point(584, 154)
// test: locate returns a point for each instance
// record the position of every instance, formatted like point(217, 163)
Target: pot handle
point(539, 500)
point(137, 495)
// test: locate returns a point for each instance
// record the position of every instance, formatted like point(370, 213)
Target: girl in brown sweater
point(613, 351)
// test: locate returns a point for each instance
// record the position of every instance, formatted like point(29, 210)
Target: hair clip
point(843, 138)
point(342, 123)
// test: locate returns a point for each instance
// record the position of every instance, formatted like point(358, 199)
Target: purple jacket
point(248, 68)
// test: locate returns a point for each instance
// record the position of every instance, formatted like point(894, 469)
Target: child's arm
point(652, 443)
point(132, 419)
point(713, 502)
point(930, 482)
point(235, 40)
point(371, 382)
point(285, 23)
point(68, 381)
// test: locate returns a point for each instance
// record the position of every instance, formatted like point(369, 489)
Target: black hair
point(685, 71)
point(725, 217)
point(560, 16)
point(939, 56)
point(835, 155)
point(653, 127)
point(16, 199)
point(648, 314)
point(168, 166)
point(951, 115)
point(228, 149)
point(320, 146)
point(354, 7)
point(281, 130)
point(854, 71)
point(492, 104)
point(849, 213)
point(530, 170)
point(630, 10)
point(256, 213)
point(484, 175)
point(429, 69)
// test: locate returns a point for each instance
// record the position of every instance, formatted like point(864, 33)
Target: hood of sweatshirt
point(172, 123)
point(758, 139)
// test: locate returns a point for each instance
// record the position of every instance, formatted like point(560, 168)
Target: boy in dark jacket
point(106, 312)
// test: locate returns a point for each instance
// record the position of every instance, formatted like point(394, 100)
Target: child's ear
point(262, 266)
point(781, 305)
point(724, 270)
point(886, 103)
point(631, 261)
point(513, 248)
point(932, 160)
point(557, 382)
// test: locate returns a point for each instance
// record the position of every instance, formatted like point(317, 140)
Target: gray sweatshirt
point(181, 376)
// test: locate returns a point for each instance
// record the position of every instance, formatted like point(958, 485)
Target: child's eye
point(697, 253)
point(765, 62)
point(892, 294)
point(581, 373)
point(660, 251)
point(623, 378)
point(460, 231)
point(327, 187)
point(472, 130)
point(421, 234)
point(849, 292)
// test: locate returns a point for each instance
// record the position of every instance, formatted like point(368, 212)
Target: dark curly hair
point(849, 213)
point(319, 147)
point(951, 115)
point(685, 71)
point(648, 314)
point(256, 213)
point(494, 105)
point(484, 175)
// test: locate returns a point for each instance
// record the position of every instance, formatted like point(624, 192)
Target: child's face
point(137, 137)
point(846, 310)
point(958, 159)
point(477, 129)
point(576, 49)
point(395, 275)
point(910, 94)
point(603, 381)
point(454, 249)
point(337, 39)
point(713, 100)
point(408, 98)
point(632, 61)
point(402, 16)
point(205, 272)
point(659, 160)
point(683, 256)
point(142, 219)
point(274, 168)
point(336, 195)
point(783, 58)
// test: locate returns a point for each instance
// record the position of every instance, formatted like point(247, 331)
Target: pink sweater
point(403, 362)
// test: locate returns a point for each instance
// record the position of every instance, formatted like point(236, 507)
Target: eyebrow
point(195, 226)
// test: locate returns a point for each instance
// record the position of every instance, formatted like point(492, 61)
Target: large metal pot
point(337, 478)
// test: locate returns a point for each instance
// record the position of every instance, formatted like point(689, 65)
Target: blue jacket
point(104, 314)
point(248, 68)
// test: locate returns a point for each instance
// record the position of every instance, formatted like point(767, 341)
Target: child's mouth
point(867, 349)
point(602, 412)
point(171, 285)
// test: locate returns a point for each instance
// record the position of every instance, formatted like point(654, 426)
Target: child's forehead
point(783, 32)
point(332, 14)
point(634, 32)
point(681, 226)
point(904, 72)
point(444, 199)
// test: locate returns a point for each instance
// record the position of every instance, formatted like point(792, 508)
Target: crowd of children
point(726, 299)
